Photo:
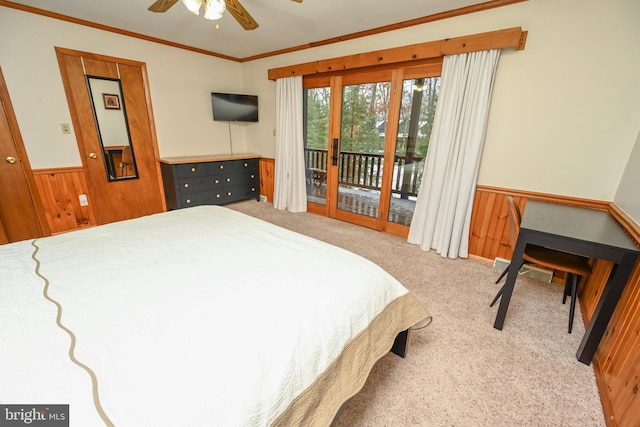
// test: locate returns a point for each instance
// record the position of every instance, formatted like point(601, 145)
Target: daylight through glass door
point(362, 140)
point(366, 139)
point(417, 110)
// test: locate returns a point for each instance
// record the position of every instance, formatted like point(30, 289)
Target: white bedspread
point(197, 317)
point(34, 362)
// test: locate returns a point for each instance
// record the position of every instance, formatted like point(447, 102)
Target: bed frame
point(401, 344)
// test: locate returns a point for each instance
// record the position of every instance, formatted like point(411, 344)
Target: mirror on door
point(113, 130)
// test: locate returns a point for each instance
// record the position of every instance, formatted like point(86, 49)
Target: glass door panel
point(417, 110)
point(316, 144)
point(362, 142)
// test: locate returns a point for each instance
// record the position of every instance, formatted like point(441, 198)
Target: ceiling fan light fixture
point(213, 9)
point(193, 6)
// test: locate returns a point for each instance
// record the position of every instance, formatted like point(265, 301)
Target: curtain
point(442, 215)
point(289, 182)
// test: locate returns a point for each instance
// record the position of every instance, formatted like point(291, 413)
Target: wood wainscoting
point(60, 190)
point(618, 357)
point(267, 176)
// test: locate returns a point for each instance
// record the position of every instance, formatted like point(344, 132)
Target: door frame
point(25, 165)
point(336, 81)
point(81, 127)
point(335, 134)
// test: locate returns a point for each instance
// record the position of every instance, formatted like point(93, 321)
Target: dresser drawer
point(215, 168)
point(248, 164)
point(204, 169)
point(215, 182)
point(226, 195)
point(210, 182)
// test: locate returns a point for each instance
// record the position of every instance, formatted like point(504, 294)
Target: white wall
point(180, 84)
point(564, 118)
point(565, 111)
point(628, 194)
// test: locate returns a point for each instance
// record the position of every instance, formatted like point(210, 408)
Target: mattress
point(201, 316)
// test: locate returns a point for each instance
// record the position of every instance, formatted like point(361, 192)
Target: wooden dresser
point(209, 180)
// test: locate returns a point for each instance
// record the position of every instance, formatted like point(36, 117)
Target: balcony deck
point(364, 202)
point(360, 178)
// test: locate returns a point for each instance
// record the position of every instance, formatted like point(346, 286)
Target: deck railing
point(364, 170)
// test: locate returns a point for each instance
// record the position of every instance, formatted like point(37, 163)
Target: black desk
point(581, 231)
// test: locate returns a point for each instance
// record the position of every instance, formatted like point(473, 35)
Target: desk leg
point(516, 259)
point(612, 292)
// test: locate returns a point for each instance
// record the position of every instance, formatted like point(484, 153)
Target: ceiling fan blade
point(162, 5)
point(240, 13)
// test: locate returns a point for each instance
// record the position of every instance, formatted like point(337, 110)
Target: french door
point(366, 136)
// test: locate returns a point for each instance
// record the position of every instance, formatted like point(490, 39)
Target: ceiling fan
point(213, 10)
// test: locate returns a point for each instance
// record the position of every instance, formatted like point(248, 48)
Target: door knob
point(93, 155)
point(11, 160)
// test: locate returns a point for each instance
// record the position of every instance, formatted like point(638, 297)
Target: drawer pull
point(221, 166)
point(228, 179)
point(193, 169)
point(228, 193)
point(217, 181)
point(252, 176)
point(246, 164)
point(186, 185)
point(188, 201)
point(253, 189)
point(217, 196)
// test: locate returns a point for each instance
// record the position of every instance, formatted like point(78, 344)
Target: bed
point(195, 317)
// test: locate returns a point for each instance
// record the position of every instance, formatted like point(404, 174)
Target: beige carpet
point(460, 371)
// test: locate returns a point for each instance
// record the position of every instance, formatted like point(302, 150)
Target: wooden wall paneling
point(477, 232)
point(500, 230)
point(622, 374)
point(619, 352)
point(489, 232)
point(617, 361)
point(60, 191)
point(590, 291)
point(267, 176)
point(618, 356)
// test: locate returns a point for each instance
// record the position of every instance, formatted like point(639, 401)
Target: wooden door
point(369, 169)
point(114, 200)
point(359, 190)
point(21, 216)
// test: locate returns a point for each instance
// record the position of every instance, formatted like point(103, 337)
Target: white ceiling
point(283, 23)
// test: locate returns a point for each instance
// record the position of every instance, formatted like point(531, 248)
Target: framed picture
point(111, 101)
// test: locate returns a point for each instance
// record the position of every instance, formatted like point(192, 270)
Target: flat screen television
point(232, 107)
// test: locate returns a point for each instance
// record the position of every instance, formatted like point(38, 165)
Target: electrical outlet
point(83, 200)
point(66, 129)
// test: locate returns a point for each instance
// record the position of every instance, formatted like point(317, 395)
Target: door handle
point(11, 160)
point(93, 155)
point(334, 154)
